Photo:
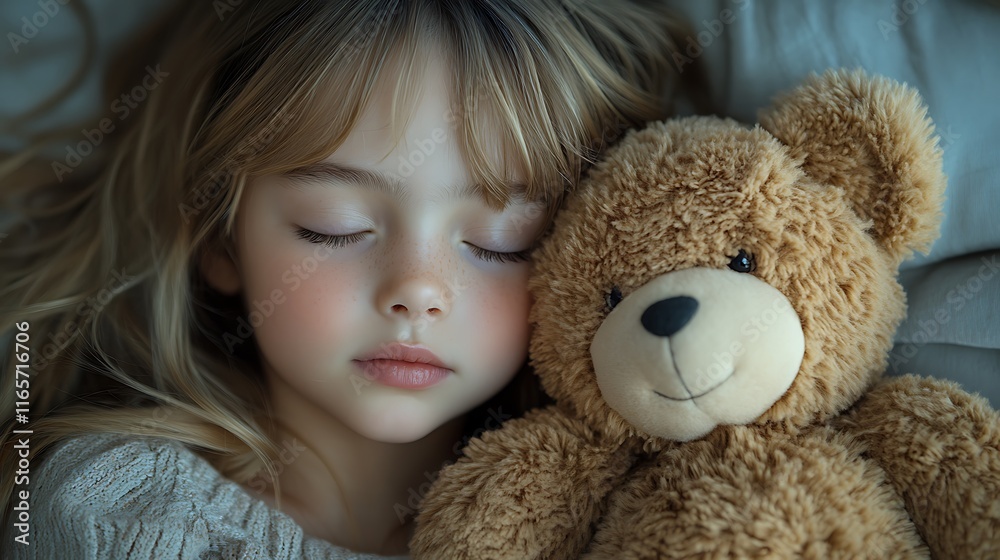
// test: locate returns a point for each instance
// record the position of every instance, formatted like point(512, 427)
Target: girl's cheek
point(504, 320)
point(311, 301)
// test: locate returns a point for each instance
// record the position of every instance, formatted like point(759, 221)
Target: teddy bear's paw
point(940, 449)
point(531, 490)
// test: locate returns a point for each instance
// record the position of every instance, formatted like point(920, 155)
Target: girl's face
point(356, 270)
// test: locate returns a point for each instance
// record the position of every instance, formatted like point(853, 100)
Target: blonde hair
point(103, 262)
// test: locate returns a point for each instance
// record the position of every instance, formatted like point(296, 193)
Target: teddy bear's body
point(747, 492)
point(712, 316)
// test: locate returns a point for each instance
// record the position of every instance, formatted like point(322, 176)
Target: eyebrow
point(332, 173)
point(326, 172)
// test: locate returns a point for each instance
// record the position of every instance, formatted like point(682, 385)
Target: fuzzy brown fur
point(838, 185)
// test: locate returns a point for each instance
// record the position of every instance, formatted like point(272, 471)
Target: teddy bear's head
point(708, 273)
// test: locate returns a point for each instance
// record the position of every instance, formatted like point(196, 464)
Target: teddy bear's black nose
point(667, 316)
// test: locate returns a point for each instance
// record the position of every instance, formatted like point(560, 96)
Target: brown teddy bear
point(713, 313)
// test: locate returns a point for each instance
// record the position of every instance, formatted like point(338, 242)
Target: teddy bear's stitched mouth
point(702, 394)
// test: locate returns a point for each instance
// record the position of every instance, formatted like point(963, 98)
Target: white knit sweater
point(105, 497)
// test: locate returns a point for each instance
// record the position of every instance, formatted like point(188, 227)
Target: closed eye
point(339, 241)
point(336, 241)
point(498, 257)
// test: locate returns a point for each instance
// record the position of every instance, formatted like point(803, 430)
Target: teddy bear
point(713, 313)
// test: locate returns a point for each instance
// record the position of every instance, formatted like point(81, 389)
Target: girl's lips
point(403, 366)
point(402, 374)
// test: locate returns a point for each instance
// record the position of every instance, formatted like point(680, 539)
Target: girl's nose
point(415, 307)
point(418, 302)
point(419, 297)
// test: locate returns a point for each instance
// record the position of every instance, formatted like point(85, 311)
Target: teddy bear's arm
point(532, 489)
point(940, 448)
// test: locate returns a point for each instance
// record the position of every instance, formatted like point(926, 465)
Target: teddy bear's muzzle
point(697, 348)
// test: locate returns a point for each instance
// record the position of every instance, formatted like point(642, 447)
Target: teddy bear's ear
point(871, 137)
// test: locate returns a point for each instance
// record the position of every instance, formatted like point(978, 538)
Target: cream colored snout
point(697, 348)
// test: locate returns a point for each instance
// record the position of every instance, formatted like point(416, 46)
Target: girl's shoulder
point(116, 496)
point(107, 472)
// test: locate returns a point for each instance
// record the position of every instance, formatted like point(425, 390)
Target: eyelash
point(340, 241)
point(337, 241)
point(495, 256)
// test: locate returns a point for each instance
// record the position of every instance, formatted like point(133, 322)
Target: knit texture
point(107, 497)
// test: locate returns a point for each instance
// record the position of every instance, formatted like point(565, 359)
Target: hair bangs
point(284, 110)
point(560, 93)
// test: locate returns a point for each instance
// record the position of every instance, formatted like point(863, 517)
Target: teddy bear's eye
point(613, 297)
point(742, 262)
